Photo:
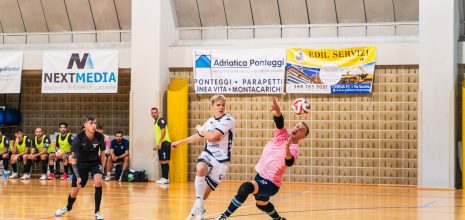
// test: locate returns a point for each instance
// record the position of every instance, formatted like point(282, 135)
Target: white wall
point(438, 76)
point(153, 30)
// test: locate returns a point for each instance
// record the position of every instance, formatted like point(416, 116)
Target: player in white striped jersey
point(213, 162)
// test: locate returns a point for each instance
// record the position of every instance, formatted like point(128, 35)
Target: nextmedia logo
point(79, 70)
point(84, 63)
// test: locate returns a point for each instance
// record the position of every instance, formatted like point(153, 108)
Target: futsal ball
point(301, 106)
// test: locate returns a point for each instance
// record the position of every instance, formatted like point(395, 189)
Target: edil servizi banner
point(335, 71)
point(239, 71)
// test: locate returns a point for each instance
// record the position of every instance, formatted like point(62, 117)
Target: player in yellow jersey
point(39, 151)
point(162, 145)
point(5, 150)
point(63, 146)
point(21, 148)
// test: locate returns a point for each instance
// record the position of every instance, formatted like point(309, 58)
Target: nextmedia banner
point(93, 71)
point(239, 71)
point(336, 71)
point(11, 66)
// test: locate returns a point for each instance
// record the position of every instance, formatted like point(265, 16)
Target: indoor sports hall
point(201, 92)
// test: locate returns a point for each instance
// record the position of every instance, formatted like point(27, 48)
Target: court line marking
point(272, 200)
point(340, 209)
point(426, 205)
point(85, 210)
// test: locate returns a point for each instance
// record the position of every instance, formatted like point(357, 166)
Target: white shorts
point(216, 170)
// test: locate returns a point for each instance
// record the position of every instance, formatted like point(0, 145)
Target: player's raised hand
point(275, 107)
point(175, 144)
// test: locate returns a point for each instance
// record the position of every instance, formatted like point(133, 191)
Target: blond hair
point(216, 98)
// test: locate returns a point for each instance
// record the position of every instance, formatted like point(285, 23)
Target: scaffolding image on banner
point(335, 71)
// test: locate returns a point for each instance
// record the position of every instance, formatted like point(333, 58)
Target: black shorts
point(266, 189)
point(84, 170)
point(165, 152)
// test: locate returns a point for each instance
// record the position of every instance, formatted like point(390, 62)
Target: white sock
point(108, 174)
point(194, 208)
point(200, 185)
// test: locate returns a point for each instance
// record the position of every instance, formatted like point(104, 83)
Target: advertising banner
point(330, 71)
point(11, 66)
point(239, 71)
point(92, 71)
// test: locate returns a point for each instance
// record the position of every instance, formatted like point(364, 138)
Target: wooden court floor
point(34, 199)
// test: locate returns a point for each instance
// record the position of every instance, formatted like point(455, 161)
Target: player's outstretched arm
point(191, 139)
point(275, 108)
point(278, 116)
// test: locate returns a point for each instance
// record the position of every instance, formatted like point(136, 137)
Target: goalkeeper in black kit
point(86, 159)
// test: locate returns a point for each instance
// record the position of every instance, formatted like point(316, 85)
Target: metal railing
point(73, 37)
point(338, 26)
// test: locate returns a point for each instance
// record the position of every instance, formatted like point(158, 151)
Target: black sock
point(57, 165)
point(66, 168)
point(98, 198)
point(15, 167)
point(6, 164)
point(44, 166)
point(28, 166)
point(51, 168)
point(269, 209)
point(165, 169)
point(70, 169)
point(70, 202)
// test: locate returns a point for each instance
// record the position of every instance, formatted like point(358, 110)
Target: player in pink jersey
point(278, 154)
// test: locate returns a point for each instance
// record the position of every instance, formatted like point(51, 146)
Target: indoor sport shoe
point(51, 176)
point(107, 178)
point(43, 177)
point(14, 175)
point(26, 176)
point(221, 217)
point(163, 181)
point(60, 212)
point(98, 216)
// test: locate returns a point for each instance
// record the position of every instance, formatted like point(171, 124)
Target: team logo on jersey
point(95, 145)
point(221, 176)
point(263, 182)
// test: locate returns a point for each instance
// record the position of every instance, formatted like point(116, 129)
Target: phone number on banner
point(308, 88)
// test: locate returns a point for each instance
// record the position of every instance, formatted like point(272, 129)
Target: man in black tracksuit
point(86, 158)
